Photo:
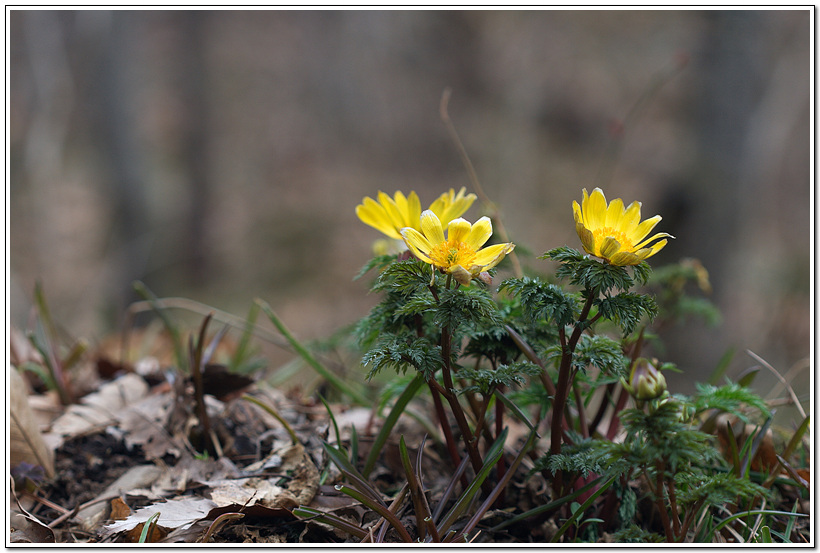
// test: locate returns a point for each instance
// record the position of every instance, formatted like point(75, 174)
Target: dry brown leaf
point(119, 509)
point(274, 492)
point(144, 424)
point(99, 409)
point(26, 443)
point(94, 514)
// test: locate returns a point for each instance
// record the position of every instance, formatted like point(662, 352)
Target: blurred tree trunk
point(194, 147)
point(118, 126)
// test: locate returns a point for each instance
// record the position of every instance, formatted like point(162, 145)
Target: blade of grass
point(390, 422)
point(148, 527)
point(332, 420)
point(584, 506)
point(790, 523)
point(546, 507)
point(782, 380)
point(328, 375)
point(354, 445)
point(736, 467)
point(170, 326)
point(272, 412)
point(332, 520)
point(219, 522)
point(793, 473)
point(379, 508)
point(416, 492)
point(758, 439)
point(502, 484)
point(721, 367)
point(736, 516)
point(490, 459)
point(242, 351)
point(515, 409)
point(351, 473)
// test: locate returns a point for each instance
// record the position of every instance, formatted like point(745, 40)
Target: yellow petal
point(413, 210)
point(652, 239)
point(401, 204)
point(624, 258)
point(373, 214)
point(462, 275)
point(457, 230)
point(431, 227)
point(391, 208)
point(576, 212)
point(417, 243)
point(631, 218)
point(614, 213)
point(490, 256)
point(655, 248)
point(595, 209)
point(587, 238)
point(479, 233)
point(609, 247)
point(640, 232)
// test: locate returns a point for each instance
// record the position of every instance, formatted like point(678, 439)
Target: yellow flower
point(450, 205)
point(390, 215)
point(459, 253)
point(614, 233)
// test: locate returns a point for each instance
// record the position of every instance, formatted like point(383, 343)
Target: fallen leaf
point(26, 443)
point(136, 477)
point(99, 409)
point(119, 509)
point(173, 514)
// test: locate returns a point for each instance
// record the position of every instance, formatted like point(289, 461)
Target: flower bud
point(645, 381)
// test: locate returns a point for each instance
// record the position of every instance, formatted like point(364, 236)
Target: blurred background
point(219, 155)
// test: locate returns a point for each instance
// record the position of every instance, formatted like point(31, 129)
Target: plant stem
point(445, 427)
point(673, 504)
point(667, 527)
point(564, 372)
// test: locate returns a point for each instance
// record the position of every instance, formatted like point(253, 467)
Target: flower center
point(602, 234)
point(451, 253)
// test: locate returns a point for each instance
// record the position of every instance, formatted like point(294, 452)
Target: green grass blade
point(379, 508)
point(390, 422)
point(332, 520)
point(170, 326)
point(490, 459)
point(239, 359)
point(736, 516)
point(584, 506)
point(147, 526)
point(328, 375)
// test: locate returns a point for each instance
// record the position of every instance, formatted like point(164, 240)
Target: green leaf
point(400, 352)
point(543, 301)
point(627, 309)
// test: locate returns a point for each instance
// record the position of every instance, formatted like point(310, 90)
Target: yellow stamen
point(449, 254)
point(602, 234)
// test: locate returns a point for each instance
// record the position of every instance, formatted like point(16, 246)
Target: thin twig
point(495, 214)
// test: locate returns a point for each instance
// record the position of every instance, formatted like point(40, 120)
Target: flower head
point(645, 381)
point(614, 233)
point(459, 253)
point(390, 215)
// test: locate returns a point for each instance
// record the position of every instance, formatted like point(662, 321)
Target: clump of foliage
point(563, 355)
